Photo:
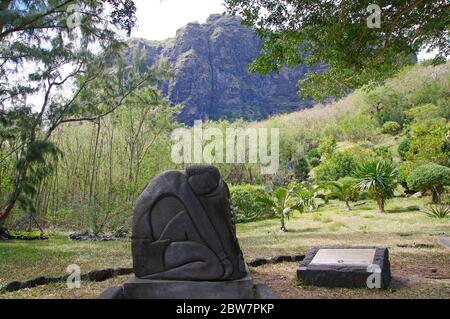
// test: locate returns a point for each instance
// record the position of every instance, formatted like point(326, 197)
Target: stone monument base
point(136, 288)
point(347, 268)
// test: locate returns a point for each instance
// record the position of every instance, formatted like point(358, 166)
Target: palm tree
point(345, 190)
point(378, 178)
point(282, 203)
point(307, 195)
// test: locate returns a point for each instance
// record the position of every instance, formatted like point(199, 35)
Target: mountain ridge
point(211, 78)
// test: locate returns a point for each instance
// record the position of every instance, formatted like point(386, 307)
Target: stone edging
point(105, 274)
point(96, 275)
point(275, 260)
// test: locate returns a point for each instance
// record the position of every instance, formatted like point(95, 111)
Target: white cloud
point(160, 19)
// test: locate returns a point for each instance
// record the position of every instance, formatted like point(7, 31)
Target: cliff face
point(210, 62)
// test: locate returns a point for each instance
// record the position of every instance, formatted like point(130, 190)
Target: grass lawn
point(418, 272)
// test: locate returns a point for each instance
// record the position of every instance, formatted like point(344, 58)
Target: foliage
point(431, 177)
point(314, 162)
point(391, 127)
point(405, 168)
point(379, 179)
point(45, 66)
point(337, 34)
point(404, 147)
point(327, 146)
point(307, 196)
point(388, 104)
point(313, 153)
point(342, 163)
point(301, 169)
point(345, 190)
point(437, 211)
point(245, 204)
point(282, 203)
point(121, 231)
point(429, 142)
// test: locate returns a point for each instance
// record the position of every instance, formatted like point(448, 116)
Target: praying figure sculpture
point(184, 229)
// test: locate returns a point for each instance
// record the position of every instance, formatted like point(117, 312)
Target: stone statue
point(183, 229)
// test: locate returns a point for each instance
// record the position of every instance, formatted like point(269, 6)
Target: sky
point(160, 19)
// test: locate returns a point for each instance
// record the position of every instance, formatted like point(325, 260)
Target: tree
point(51, 52)
point(345, 190)
point(378, 178)
point(337, 34)
point(432, 177)
point(282, 203)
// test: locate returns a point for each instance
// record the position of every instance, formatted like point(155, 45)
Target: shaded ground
point(418, 272)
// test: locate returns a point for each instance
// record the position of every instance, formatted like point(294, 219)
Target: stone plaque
point(356, 257)
point(348, 268)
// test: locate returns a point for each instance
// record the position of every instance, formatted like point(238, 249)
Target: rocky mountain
point(210, 62)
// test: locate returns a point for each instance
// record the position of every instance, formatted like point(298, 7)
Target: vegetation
point(378, 179)
point(343, 36)
point(41, 56)
point(345, 190)
point(245, 204)
point(391, 127)
point(23, 260)
point(438, 211)
point(282, 203)
point(432, 177)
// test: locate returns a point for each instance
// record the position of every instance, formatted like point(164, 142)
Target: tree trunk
point(283, 226)
point(381, 205)
point(348, 206)
point(436, 196)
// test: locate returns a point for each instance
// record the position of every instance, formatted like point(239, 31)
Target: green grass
point(330, 226)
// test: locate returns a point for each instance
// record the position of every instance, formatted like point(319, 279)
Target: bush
point(432, 177)
point(342, 163)
point(301, 169)
point(405, 169)
point(391, 127)
point(314, 162)
point(121, 232)
point(403, 148)
point(246, 207)
point(327, 146)
point(437, 211)
point(314, 153)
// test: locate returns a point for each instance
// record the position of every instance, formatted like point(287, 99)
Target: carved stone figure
point(183, 229)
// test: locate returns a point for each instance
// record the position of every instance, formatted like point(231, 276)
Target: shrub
point(403, 148)
point(340, 165)
point(406, 168)
point(314, 153)
point(432, 177)
point(302, 169)
point(429, 142)
point(328, 146)
point(121, 232)
point(391, 127)
point(437, 211)
point(246, 207)
point(314, 162)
